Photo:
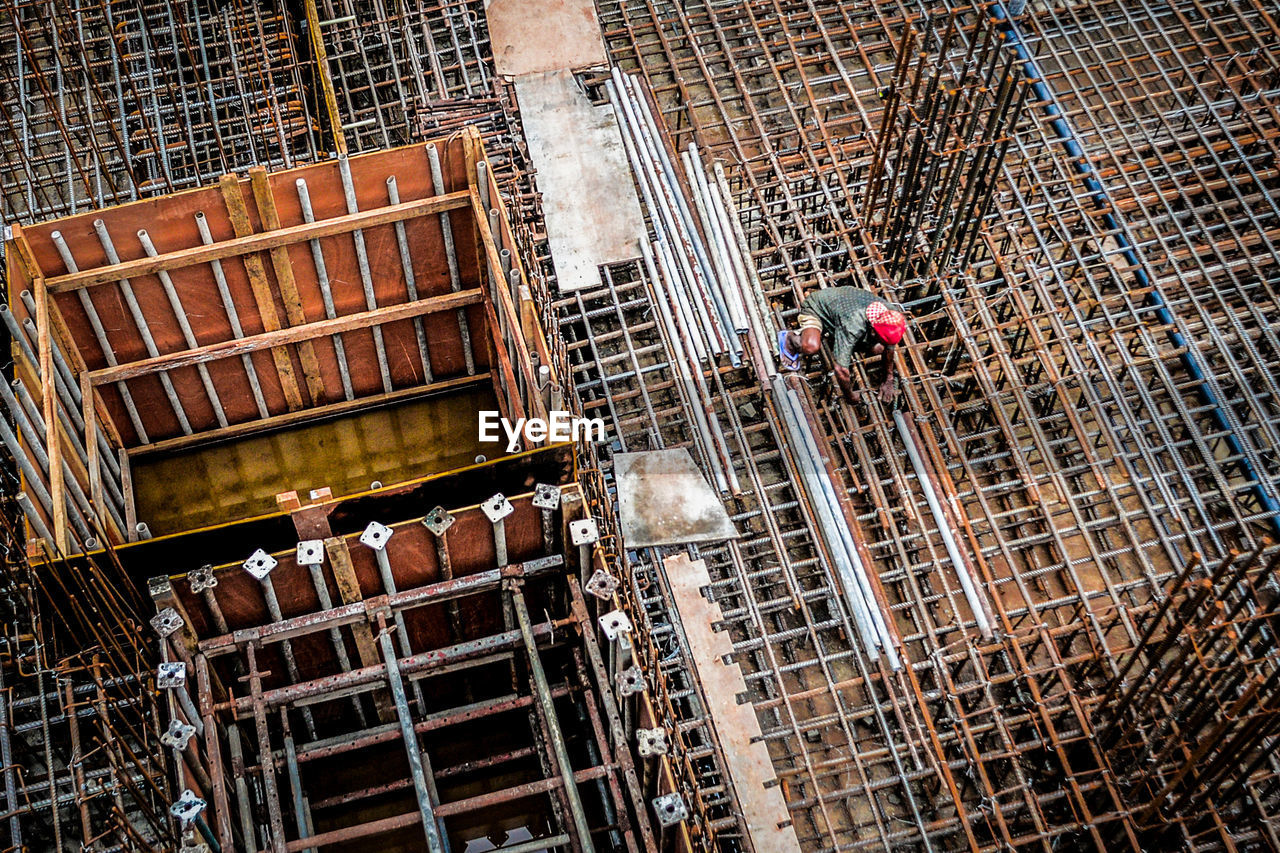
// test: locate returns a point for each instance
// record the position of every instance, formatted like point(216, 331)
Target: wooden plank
point(509, 401)
point(262, 295)
point(266, 201)
point(747, 758)
point(508, 310)
point(91, 445)
point(290, 419)
point(49, 403)
point(281, 337)
point(321, 60)
point(250, 243)
point(126, 489)
point(344, 575)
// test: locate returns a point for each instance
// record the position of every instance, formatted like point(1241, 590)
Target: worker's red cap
point(889, 325)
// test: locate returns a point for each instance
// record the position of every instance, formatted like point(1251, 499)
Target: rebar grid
point(1082, 461)
point(394, 64)
point(79, 743)
point(109, 102)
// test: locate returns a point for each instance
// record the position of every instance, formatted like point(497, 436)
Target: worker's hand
point(888, 390)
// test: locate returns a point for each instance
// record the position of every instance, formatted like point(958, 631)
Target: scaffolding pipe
point(971, 592)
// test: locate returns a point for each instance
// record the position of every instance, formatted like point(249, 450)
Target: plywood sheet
point(529, 36)
point(172, 226)
point(588, 199)
point(211, 485)
point(663, 499)
point(746, 756)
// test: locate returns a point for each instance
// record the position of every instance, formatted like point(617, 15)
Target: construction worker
point(855, 321)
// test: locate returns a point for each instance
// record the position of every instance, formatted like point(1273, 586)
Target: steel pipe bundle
point(832, 529)
point(686, 262)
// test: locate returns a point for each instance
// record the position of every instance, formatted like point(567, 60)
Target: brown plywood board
point(746, 757)
point(663, 499)
point(240, 479)
point(588, 199)
point(171, 224)
point(529, 36)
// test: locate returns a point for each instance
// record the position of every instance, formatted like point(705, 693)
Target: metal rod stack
point(943, 137)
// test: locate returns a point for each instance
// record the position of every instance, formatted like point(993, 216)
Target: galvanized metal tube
point(326, 290)
point(33, 515)
point(67, 388)
point(295, 781)
point(291, 663)
point(362, 261)
point(652, 136)
point(410, 283)
point(862, 619)
point(335, 635)
point(35, 481)
point(100, 334)
point(450, 252)
point(410, 737)
point(233, 316)
point(976, 604)
point(840, 528)
point(236, 749)
point(542, 689)
point(683, 365)
point(710, 214)
point(183, 323)
point(30, 421)
point(647, 164)
point(135, 310)
point(33, 411)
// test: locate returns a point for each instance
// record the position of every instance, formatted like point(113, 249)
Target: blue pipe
point(1155, 299)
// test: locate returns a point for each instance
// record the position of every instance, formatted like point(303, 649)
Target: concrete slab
point(746, 757)
point(529, 36)
point(663, 499)
point(588, 199)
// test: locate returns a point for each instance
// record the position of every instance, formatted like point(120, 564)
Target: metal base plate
point(663, 499)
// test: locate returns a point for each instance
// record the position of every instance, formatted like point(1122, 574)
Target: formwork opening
point(331, 325)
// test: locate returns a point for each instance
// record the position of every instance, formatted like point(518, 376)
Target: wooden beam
point(91, 445)
point(344, 575)
point(290, 419)
point(514, 406)
point(258, 242)
point(503, 304)
point(262, 294)
point(280, 262)
point(49, 404)
point(126, 489)
point(281, 337)
point(321, 57)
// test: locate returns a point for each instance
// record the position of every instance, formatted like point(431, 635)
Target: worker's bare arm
point(845, 380)
point(889, 385)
